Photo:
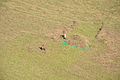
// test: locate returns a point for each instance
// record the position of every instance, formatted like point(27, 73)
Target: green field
point(25, 25)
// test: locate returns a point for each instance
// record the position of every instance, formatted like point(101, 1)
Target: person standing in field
point(64, 35)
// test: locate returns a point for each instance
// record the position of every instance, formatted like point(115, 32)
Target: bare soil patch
point(74, 40)
point(56, 33)
point(111, 59)
point(78, 41)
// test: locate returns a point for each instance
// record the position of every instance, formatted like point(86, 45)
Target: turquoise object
point(74, 46)
point(65, 43)
point(82, 49)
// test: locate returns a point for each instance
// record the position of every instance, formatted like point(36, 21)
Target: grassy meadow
point(27, 24)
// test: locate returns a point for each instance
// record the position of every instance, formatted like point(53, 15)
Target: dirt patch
point(78, 41)
point(75, 40)
point(111, 59)
point(56, 33)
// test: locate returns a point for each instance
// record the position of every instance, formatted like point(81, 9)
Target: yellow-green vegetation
point(25, 25)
